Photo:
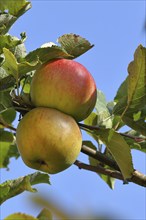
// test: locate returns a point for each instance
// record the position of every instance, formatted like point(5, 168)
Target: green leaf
point(139, 125)
point(45, 214)
point(10, 64)
point(74, 44)
point(7, 83)
point(8, 116)
point(103, 114)
point(119, 149)
point(46, 54)
point(26, 67)
point(122, 94)
point(3, 73)
point(14, 12)
point(12, 7)
point(108, 180)
point(8, 151)
point(8, 42)
point(12, 188)
point(4, 148)
point(20, 216)
point(39, 177)
point(92, 120)
point(6, 136)
point(6, 21)
point(116, 145)
point(7, 148)
point(131, 96)
point(5, 101)
point(14, 44)
point(19, 51)
point(26, 82)
point(31, 61)
point(39, 56)
point(137, 141)
point(137, 79)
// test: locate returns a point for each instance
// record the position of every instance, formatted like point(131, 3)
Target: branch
point(137, 177)
point(97, 128)
point(100, 157)
point(135, 138)
point(99, 169)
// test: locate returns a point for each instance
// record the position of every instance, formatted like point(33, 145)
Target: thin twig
point(97, 128)
point(8, 126)
point(89, 127)
point(99, 169)
point(137, 177)
point(136, 138)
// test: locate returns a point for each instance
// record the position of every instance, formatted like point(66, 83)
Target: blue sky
point(116, 29)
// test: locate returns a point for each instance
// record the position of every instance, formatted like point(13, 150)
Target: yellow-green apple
point(65, 85)
point(48, 140)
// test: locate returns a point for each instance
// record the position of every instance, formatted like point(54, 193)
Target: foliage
point(127, 109)
point(12, 188)
point(44, 214)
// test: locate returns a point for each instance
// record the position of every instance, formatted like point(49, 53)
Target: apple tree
point(111, 156)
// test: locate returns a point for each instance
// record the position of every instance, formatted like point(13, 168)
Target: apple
point(65, 85)
point(48, 140)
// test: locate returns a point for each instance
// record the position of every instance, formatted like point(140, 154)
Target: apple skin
point(65, 85)
point(48, 140)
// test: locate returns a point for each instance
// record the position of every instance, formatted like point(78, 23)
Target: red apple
point(64, 85)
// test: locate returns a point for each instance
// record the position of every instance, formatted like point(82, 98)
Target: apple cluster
point(48, 137)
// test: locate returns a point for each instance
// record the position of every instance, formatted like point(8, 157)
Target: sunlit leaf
point(137, 141)
point(39, 56)
point(10, 12)
point(26, 67)
point(117, 146)
point(12, 7)
point(19, 51)
point(9, 42)
point(20, 216)
point(92, 120)
point(4, 148)
point(109, 180)
point(6, 21)
point(25, 83)
point(45, 214)
point(103, 114)
point(7, 148)
point(46, 54)
point(137, 79)
point(8, 151)
point(12, 188)
point(131, 96)
point(119, 149)
point(74, 44)
point(10, 64)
